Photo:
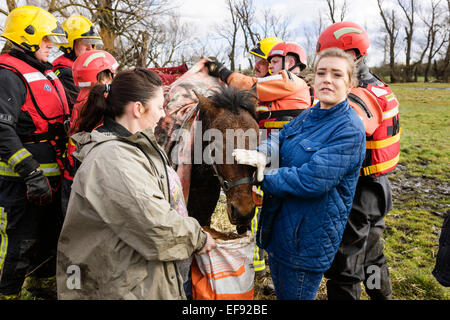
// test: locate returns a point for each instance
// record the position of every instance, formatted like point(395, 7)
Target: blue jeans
point(291, 284)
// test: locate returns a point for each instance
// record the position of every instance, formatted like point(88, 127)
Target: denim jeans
point(291, 284)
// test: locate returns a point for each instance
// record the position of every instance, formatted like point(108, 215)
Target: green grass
point(421, 189)
point(425, 122)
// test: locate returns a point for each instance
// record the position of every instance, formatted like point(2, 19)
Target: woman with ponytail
point(90, 68)
point(126, 226)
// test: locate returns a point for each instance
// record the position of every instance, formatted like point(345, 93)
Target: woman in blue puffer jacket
point(308, 198)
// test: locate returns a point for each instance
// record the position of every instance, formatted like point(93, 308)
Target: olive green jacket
point(120, 237)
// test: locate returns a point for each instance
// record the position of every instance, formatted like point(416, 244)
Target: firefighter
point(260, 52)
point(33, 111)
point(261, 70)
point(360, 256)
point(81, 37)
point(282, 96)
point(90, 68)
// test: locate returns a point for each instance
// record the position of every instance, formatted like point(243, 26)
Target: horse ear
point(204, 103)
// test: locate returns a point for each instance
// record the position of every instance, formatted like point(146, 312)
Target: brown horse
point(190, 117)
point(231, 115)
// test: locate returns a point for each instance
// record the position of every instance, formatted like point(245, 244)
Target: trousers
point(360, 255)
point(292, 284)
point(28, 235)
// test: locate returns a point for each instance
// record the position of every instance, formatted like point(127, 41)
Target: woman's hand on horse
point(252, 158)
point(209, 245)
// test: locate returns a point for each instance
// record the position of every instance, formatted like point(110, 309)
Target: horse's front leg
point(204, 193)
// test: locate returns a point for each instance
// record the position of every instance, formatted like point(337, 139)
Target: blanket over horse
point(175, 132)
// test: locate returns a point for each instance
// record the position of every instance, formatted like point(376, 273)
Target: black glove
point(39, 190)
point(218, 70)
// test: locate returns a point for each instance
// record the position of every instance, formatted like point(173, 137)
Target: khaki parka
point(120, 238)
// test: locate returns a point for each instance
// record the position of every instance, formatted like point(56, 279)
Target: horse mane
point(234, 100)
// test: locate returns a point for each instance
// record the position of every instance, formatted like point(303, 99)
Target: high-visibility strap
point(379, 167)
point(3, 237)
point(383, 143)
point(48, 169)
point(17, 157)
point(274, 124)
point(51, 76)
point(262, 109)
point(391, 113)
point(270, 78)
point(259, 263)
point(84, 84)
point(34, 76)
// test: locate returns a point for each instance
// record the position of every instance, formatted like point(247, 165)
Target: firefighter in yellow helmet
point(82, 37)
point(33, 109)
point(261, 53)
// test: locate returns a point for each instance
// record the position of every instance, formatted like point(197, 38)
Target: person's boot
point(10, 296)
point(41, 288)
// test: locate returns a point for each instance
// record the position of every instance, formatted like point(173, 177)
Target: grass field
point(420, 193)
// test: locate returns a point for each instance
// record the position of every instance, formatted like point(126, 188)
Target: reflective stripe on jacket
point(46, 99)
point(383, 146)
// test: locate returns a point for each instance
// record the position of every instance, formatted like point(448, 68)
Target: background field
point(420, 191)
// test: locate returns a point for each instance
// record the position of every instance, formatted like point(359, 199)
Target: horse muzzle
point(241, 219)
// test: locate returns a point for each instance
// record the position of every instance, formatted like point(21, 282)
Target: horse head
point(228, 122)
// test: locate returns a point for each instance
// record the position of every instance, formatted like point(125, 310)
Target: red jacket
point(62, 62)
point(69, 167)
point(383, 146)
point(46, 100)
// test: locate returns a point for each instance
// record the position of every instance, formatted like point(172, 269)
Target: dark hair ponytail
point(92, 111)
point(128, 86)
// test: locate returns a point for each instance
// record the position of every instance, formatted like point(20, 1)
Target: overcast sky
point(206, 14)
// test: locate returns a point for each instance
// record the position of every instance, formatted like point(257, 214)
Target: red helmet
point(285, 48)
point(89, 64)
point(345, 36)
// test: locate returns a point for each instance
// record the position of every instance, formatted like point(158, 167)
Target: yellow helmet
point(26, 26)
point(264, 46)
point(79, 27)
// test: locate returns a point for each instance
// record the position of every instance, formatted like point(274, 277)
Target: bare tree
point(333, 11)
point(409, 9)
point(228, 31)
point(246, 13)
point(11, 5)
point(446, 61)
point(391, 28)
point(435, 34)
point(311, 33)
point(126, 26)
point(275, 25)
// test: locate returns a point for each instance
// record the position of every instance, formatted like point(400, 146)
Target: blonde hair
point(352, 69)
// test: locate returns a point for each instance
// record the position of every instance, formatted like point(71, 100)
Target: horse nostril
point(240, 218)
